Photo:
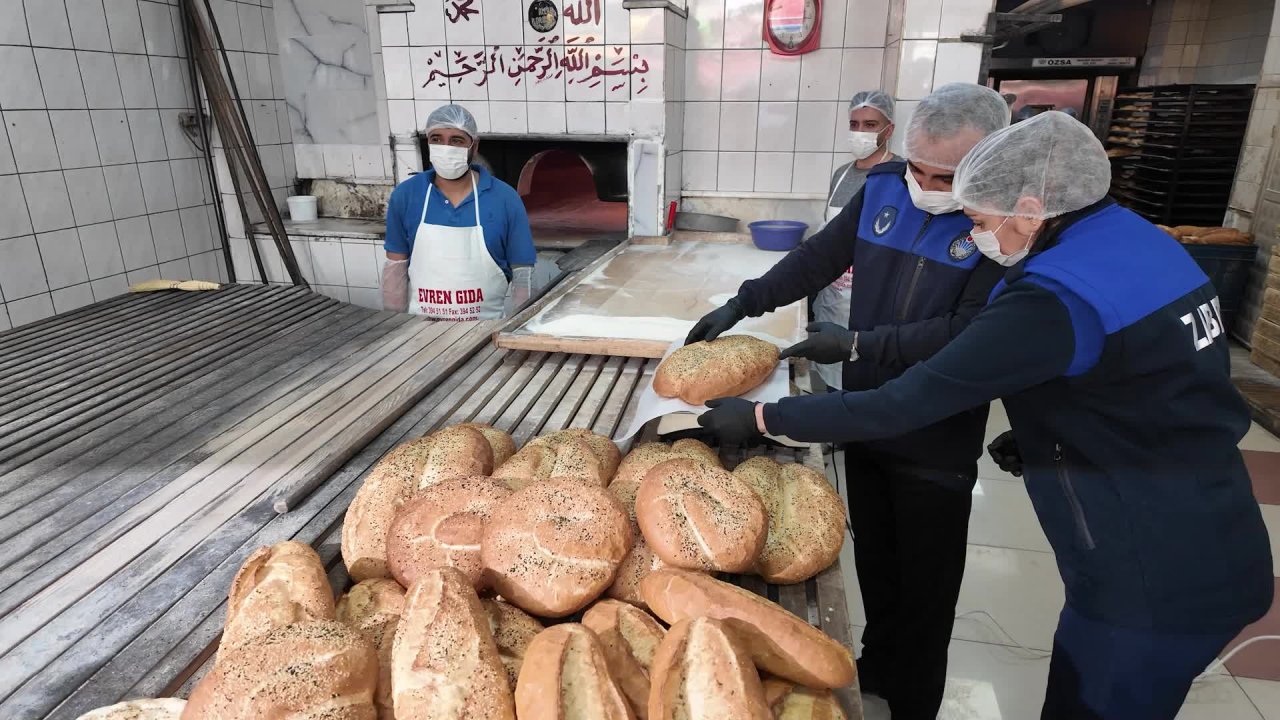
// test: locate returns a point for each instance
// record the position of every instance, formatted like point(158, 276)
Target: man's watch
point(853, 350)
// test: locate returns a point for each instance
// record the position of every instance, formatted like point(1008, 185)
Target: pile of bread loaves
point(466, 552)
point(1194, 235)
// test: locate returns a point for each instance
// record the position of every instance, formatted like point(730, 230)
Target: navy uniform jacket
point(918, 279)
point(1108, 347)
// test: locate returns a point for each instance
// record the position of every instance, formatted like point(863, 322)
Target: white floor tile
point(992, 682)
point(1019, 589)
point(1259, 439)
point(1218, 698)
point(1265, 695)
point(1003, 517)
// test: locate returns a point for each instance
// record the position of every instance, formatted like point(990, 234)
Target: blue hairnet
point(951, 120)
point(452, 116)
point(877, 99)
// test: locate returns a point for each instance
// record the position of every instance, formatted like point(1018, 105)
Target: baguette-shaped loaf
point(779, 642)
point(725, 367)
point(374, 607)
point(276, 586)
point(553, 547)
point(161, 709)
point(789, 701)
point(306, 671)
point(442, 527)
point(565, 676)
point(701, 672)
point(566, 454)
point(629, 637)
point(806, 519)
point(444, 663)
point(513, 629)
point(700, 517)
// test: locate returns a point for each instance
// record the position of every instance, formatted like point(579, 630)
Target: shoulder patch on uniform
point(884, 221)
point(962, 248)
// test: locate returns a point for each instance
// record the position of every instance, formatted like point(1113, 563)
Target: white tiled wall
point(1207, 41)
point(99, 187)
point(248, 31)
point(761, 123)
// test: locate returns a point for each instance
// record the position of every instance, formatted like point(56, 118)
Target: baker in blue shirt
point(1106, 342)
point(458, 241)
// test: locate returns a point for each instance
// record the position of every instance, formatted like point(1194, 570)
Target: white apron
point(832, 302)
point(452, 276)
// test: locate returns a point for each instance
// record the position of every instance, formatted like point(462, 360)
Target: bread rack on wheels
point(127, 598)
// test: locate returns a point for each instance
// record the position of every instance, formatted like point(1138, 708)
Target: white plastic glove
point(519, 290)
point(395, 286)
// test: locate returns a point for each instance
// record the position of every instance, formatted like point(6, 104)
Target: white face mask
point(934, 202)
point(449, 162)
point(863, 144)
point(989, 245)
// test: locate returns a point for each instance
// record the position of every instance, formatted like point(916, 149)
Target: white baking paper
point(651, 405)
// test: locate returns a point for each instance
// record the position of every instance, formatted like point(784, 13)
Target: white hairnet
point(1052, 158)
point(951, 120)
point(452, 116)
point(877, 99)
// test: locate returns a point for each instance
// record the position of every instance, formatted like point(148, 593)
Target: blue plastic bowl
point(779, 235)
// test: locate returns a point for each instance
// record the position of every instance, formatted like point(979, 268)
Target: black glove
point(827, 343)
point(1004, 450)
point(715, 322)
point(732, 420)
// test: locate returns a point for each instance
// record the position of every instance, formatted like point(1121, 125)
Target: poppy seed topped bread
point(570, 454)
point(725, 367)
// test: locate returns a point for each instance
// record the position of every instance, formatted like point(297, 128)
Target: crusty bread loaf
point(644, 456)
point(806, 519)
point(500, 442)
point(789, 701)
point(639, 562)
point(320, 670)
point(458, 451)
point(442, 527)
point(553, 547)
point(578, 454)
point(513, 629)
point(629, 637)
point(161, 709)
point(277, 585)
point(725, 367)
point(701, 672)
point(374, 607)
point(444, 663)
point(779, 642)
point(565, 677)
point(700, 517)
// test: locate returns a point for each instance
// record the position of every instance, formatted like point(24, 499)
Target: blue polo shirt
point(502, 215)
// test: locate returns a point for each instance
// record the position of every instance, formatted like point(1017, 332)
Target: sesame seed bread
point(306, 671)
point(513, 629)
point(700, 517)
point(458, 451)
point(566, 677)
point(626, 483)
point(442, 527)
point(701, 672)
point(277, 585)
point(161, 709)
point(779, 642)
point(806, 519)
point(553, 547)
point(574, 453)
point(725, 367)
point(374, 607)
point(444, 663)
point(789, 701)
point(629, 638)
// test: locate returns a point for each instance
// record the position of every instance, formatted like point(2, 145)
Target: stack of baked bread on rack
point(558, 581)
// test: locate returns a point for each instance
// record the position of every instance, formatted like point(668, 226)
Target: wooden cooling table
point(160, 630)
